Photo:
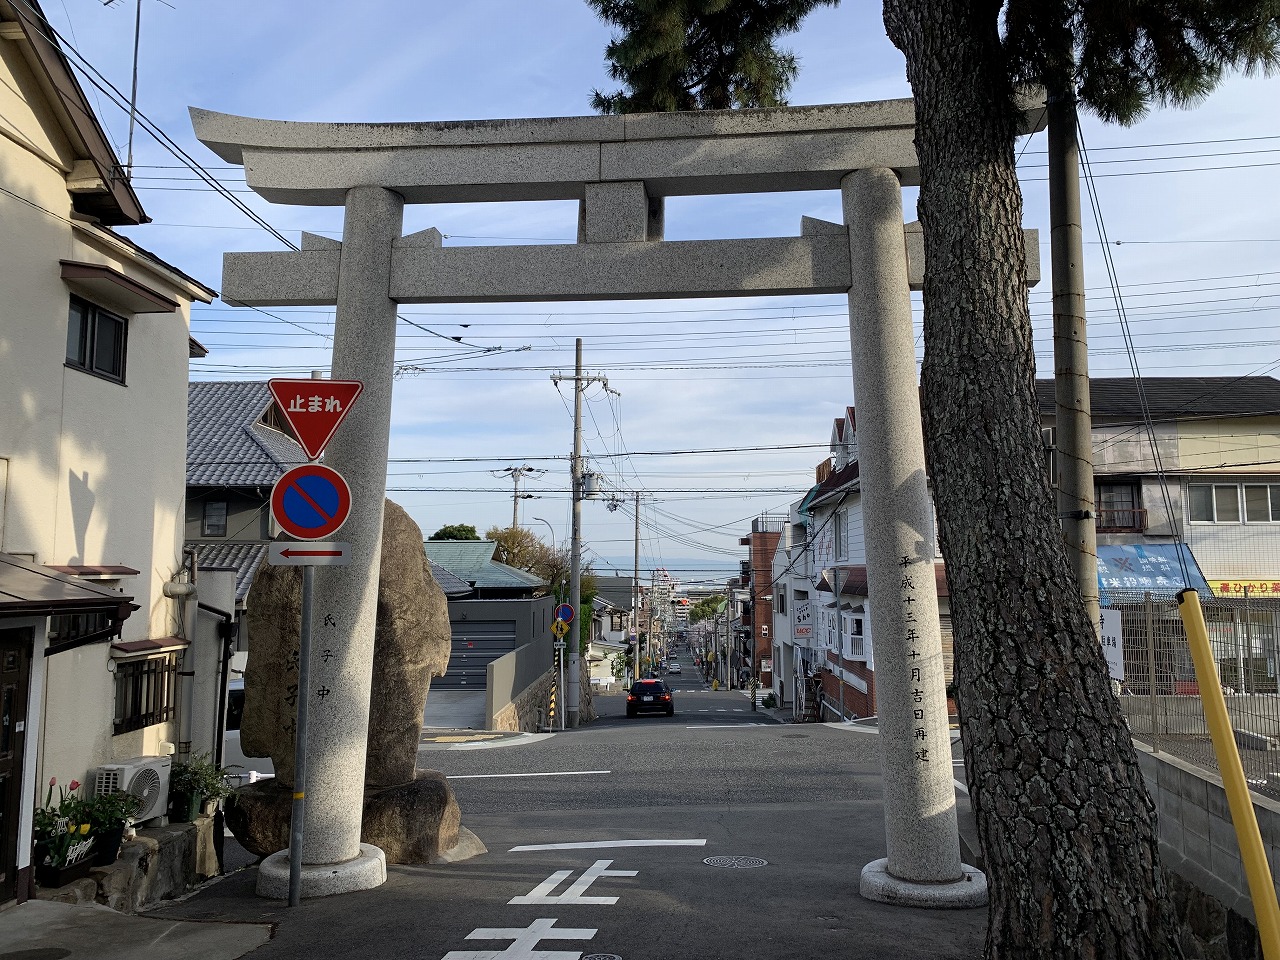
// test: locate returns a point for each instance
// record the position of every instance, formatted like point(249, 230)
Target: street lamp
point(549, 527)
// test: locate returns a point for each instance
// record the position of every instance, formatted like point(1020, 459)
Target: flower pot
point(106, 845)
point(48, 876)
point(184, 808)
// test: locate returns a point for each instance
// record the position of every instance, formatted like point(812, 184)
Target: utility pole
point(515, 473)
point(572, 693)
point(1072, 417)
point(635, 590)
point(575, 544)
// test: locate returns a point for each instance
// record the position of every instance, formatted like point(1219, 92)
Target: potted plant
point(192, 783)
point(61, 834)
point(109, 815)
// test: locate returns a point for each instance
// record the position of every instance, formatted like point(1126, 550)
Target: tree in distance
point(1066, 825)
point(455, 531)
point(705, 609)
point(525, 550)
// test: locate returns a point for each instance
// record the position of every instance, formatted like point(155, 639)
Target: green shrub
point(197, 776)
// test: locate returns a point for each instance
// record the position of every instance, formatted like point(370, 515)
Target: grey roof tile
point(1175, 397)
point(451, 585)
point(472, 561)
point(226, 445)
point(244, 558)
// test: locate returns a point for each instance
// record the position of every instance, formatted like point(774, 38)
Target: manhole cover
point(736, 863)
point(37, 953)
point(600, 956)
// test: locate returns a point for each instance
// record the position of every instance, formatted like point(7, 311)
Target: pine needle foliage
point(1124, 56)
point(699, 54)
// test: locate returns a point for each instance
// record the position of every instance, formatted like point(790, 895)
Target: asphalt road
point(713, 833)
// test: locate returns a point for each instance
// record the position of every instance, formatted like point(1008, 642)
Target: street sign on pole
point(311, 554)
point(311, 502)
point(559, 628)
point(565, 612)
point(314, 408)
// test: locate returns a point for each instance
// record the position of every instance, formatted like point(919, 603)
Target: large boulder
point(410, 647)
point(415, 822)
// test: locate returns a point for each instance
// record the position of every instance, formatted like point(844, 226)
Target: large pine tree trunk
point(1066, 824)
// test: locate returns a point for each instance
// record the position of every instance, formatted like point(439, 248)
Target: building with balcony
point(1200, 487)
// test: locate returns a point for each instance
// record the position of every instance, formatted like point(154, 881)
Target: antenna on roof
point(133, 96)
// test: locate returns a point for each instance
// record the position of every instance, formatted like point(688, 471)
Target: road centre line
point(605, 845)
point(550, 773)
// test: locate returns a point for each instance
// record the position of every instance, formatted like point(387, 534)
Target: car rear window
point(649, 686)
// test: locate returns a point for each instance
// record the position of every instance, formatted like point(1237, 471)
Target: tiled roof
point(836, 480)
point(451, 585)
point(244, 558)
point(226, 445)
point(472, 561)
point(1173, 397)
point(617, 590)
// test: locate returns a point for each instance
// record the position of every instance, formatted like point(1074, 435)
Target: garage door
point(475, 646)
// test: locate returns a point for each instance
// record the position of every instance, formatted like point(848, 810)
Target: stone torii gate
point(619, 168)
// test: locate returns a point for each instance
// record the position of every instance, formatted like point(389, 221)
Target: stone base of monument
point(366, 870)
point(880, 885)
point(413, 823)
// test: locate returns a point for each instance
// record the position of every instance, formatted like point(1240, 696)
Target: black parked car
point(650, 696)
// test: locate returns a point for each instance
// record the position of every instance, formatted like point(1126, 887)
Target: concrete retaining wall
point(1198, 844)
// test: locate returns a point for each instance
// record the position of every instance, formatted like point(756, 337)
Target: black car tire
point(631, 713)
point(671, 712)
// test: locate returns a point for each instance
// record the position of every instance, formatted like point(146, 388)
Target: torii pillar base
point(366, 870)
point(880, 885)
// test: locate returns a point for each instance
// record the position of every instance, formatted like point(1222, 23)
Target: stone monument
point(411, 815)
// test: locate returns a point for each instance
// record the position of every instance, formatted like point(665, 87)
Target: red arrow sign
point(314, 408)
point(329, 554)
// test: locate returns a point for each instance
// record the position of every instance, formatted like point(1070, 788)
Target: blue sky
point(1188, 199)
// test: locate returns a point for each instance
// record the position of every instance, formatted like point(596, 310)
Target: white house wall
point(1237, 450)
point(94, 470)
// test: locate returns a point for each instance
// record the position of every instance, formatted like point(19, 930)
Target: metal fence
point(1161, 698)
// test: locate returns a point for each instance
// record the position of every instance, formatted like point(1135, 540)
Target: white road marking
point(605, 845)
point(526, 941)
point(961, 787)
point(542, 895)
point(552, 773)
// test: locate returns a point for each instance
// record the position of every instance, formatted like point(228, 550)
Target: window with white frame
point(857, 638)
point(1234, 502)
point(842, 535)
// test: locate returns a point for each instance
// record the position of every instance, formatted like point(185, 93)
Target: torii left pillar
point(346, 598)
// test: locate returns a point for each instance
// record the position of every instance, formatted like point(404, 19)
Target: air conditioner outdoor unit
point(145, 777)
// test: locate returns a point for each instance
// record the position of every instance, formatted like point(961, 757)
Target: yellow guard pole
point(1256, 869)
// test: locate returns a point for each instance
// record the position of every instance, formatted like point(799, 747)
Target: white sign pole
point(1112, 637)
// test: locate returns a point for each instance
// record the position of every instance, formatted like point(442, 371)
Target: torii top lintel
point(673, 154)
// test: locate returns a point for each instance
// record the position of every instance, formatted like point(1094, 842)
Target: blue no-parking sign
point(310, 502)
point(564, 612)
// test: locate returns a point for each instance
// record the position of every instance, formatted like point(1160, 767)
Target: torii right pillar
point(923, 868)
